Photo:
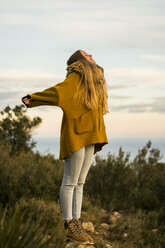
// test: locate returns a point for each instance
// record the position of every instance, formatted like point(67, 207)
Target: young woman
point(83, 98)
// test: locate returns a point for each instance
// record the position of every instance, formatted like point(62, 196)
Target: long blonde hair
point(92, 85)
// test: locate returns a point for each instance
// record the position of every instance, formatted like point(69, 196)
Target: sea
point(51, 145)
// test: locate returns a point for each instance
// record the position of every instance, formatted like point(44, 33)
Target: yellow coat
point(80, 126)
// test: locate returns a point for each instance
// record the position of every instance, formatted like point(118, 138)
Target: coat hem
point(98, 147)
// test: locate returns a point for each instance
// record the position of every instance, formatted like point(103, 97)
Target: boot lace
point(80, 226)
point(73, 228)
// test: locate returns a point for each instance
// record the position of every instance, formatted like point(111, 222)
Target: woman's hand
point(26, 100)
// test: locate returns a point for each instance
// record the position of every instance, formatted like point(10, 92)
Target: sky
point(127, 38)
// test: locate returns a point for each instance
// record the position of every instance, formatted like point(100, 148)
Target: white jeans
point(76, 167)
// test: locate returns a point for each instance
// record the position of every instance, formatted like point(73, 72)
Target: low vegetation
point(30, 213)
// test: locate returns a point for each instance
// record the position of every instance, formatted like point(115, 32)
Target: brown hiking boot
point(74, 234)
point(82, 230)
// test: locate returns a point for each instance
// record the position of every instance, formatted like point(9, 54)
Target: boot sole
point(91, 243)
point(82, 242)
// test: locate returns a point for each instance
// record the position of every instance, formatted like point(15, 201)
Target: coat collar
point(74, 67)
point(77, 67)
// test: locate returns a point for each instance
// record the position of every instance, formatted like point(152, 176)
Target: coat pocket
point(83, 123)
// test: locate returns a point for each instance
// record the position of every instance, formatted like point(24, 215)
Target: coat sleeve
point(59, 95)
point(49, 96)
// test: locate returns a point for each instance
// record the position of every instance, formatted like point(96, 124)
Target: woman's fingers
point(26, 100)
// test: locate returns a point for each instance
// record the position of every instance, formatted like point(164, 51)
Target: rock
point(89, 226)
point(105, 226)
point(83, 212)
point(155, 230)
point(108, 246)
point(69, 245)
point(117, 214)
point(114, 217)
point(125, 235)
point(103, 211)
point(78, 245)
point(85, 246)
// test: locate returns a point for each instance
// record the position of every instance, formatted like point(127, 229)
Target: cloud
point(26, 75)
point(113, 23)
point(13, 98)
point(111, 87)
point(153, 57)
point(157, 106)
point(10, 98)
point(28, 80)
point(120, 97)
point(160, 98)
point(9, 95)
point(16, 84)
point(139, 107)
point(134, 76)
point(117, 78)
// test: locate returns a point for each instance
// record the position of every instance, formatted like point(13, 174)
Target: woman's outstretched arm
point(49, 96)
point(58, 95)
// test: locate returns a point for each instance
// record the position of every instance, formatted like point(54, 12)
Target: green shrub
point(32, 182)
point(16, 128)
point(116, 183)
point(45, 213)
point(28, 175)
point(90, 211)
point(138, 229)
point(111, 182)
point(17, 233)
